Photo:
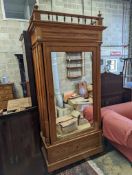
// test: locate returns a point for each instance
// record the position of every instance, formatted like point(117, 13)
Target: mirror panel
point(73, 92)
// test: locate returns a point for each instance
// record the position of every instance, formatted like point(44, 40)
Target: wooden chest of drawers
point(6, 93)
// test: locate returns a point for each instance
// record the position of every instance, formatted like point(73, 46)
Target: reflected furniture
point(127, 73)
point(6, 93)
point(112, 90)
point(74, 66)
point(117, 127)
point(54, 35)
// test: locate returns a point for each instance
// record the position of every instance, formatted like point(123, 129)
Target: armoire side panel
point(50, 93)
point(41, 95)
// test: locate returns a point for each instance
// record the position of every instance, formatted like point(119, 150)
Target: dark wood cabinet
point(112, 90)
point(65, 142)
point(19, 140)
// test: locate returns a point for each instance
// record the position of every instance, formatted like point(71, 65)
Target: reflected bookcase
point(67, 136)
point(75, 65)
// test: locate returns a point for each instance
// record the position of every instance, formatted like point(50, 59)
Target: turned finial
point(36, 6)
point(99, 15)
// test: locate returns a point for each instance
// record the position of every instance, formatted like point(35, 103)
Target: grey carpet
point(111, 163)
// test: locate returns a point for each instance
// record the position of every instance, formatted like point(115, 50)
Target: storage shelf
point(77, 67)
point(72, 77)
point(74, 60)
point(74, 67)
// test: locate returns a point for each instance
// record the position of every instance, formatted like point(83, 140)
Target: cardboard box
point(66, 127)
point(82, 120)
point(63, 111)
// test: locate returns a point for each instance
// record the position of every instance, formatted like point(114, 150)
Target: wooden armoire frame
point(56, 35)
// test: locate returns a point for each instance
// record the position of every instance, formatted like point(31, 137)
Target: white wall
point(10, 31)
point(112, 11)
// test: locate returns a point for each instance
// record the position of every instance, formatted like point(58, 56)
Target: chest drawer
point(4, 97)
point(6, 93)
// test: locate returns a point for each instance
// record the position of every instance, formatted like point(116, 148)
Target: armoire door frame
point(49, 47)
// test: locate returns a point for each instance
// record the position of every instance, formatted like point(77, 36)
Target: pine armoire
point(62, 44)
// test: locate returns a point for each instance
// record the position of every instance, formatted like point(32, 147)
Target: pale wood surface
point(19, 103)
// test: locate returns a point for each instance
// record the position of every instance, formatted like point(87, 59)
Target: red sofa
point(117, 126)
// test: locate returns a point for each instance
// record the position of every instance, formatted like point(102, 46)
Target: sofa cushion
point(88, 113)
point(117, 128)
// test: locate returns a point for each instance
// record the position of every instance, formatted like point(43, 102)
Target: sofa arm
point(124, 109)
point(117, 128)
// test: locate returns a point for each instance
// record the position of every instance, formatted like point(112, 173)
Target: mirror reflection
point(73, 91)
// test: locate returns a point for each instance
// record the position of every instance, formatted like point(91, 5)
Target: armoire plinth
point(66, 135)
